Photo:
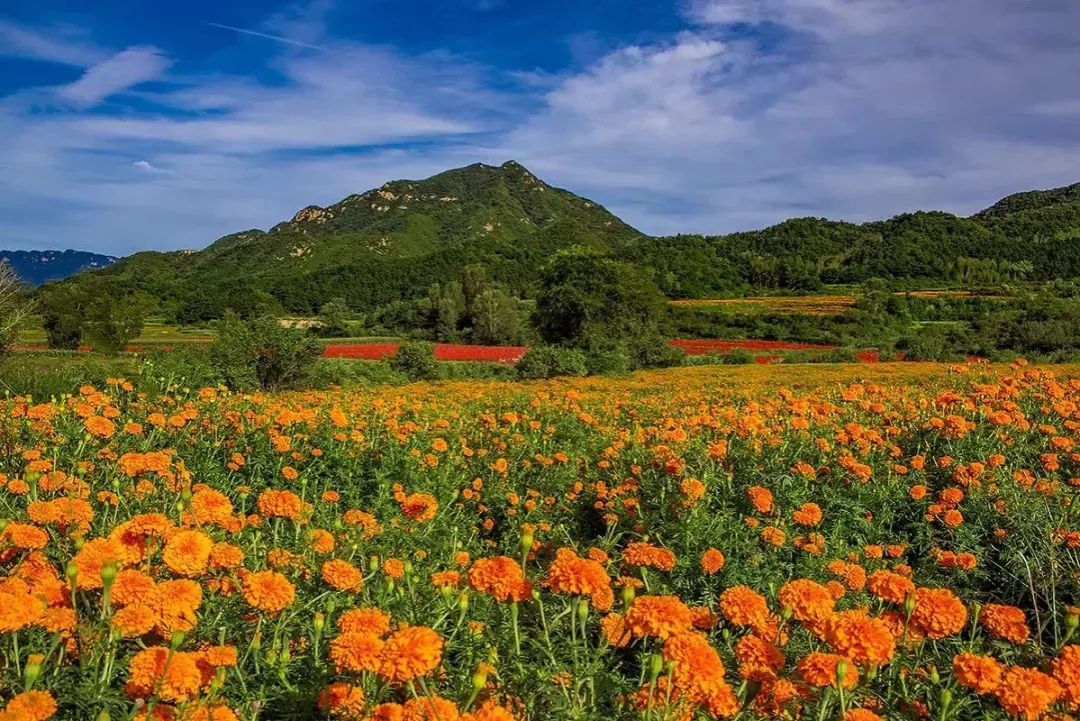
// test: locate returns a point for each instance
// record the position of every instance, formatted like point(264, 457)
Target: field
point(764, 542)
point(819, 304)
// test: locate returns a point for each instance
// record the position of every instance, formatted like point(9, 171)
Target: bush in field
point(112, 324)
point(738, 356)
point(261, 353)
point(549, 361)
point(602, 307)
point(930, 343)
point(416, 359)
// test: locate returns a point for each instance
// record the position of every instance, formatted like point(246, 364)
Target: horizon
point(165, 128)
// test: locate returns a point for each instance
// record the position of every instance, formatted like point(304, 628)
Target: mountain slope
point(40, 266)
point(393, 242)
point(386, 244)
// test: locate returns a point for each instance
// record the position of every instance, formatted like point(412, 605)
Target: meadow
point(851, 542)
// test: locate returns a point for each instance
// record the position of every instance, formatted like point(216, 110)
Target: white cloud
point(118, 73)
point(63, 45)
point(853, 109)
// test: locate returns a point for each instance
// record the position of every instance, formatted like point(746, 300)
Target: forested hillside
point(391, 244)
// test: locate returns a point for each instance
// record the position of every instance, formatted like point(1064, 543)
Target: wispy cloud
point(123, 70)
point(61, 44)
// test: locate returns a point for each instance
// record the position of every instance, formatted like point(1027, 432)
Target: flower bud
point(627, 595)
point(463, 601)
point(108, 575)
point(841, 672)
point(527, 540)
point(318, 622)
point(582, 609)
point(656, 665)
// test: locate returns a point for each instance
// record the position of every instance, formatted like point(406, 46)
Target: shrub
point(655, 352)
point(261, 353)
point(738, 356)
point(416, 359)
point(549, 361)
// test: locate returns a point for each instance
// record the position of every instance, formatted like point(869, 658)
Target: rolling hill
point(391, 243)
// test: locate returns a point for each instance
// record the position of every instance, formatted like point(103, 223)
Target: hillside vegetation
point(393, 243)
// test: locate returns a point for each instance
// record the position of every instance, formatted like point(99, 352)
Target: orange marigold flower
point(30, 706)
point(1066, 671)
point(820, 670)
point(808, 600)
point(419, 507)
point(613, 626)
point(938, 612)
point(696, 666)
point(135, 620)
point(268, 591)
point(863, 639)
point(356, 651)
point(576, 576)
point(501, 577)
point(210, 506)
point(187, 553)
point(284, 504)
point(342, 700)
point(890, 586)
point(659, 616)
point(743, 606)
point(430, 708)
point(172, 676)
point(981, 674)
point(1027, 693)
point(1005, 622)
point(761, 498)
point(342, 575)
point(759, 660)
point(409, 653)
point(712, 560)
point(808, 514)
point(861, 714)
point(648, 556)
point(364, 620)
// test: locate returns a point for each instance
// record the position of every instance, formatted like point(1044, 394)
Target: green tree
point(261, 353)
point(113, 323)
point(334, 316)
point(601, 306)
point(63, 307)
point(495, 318)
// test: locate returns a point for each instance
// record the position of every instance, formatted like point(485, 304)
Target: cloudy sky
point(132, 126)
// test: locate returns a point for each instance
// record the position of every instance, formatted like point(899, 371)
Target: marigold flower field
point(837, 542)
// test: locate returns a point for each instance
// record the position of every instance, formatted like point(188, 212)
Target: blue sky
point(131, 126)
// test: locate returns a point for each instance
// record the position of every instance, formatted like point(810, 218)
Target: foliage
point(598, 305)
point(416, 360)
point(550, 361)
point(261, 353)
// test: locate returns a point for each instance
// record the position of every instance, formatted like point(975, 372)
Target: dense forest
point(388, 246)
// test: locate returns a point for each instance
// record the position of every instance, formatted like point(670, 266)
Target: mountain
point(372, 248)
point(40, 266)
point(394, 242)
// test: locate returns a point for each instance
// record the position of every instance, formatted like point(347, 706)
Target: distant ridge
point(40, 266)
